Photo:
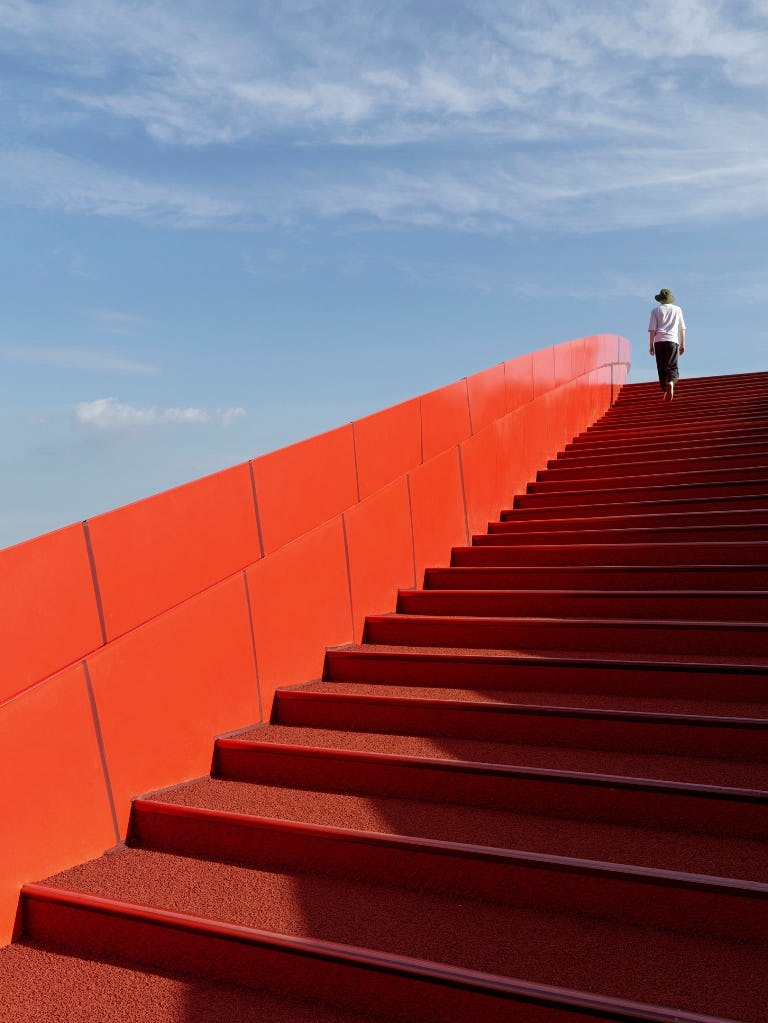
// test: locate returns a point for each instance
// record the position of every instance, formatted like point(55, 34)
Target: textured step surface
point(553, 942)
point(537, 791)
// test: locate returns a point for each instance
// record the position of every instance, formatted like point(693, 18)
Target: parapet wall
point(131, 639)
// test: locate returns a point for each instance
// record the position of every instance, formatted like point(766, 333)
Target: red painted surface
point(54, 804)
point(578, 355)
point(544, 371)
point(154, 554)
point(387, 445)
point(401, 987)
point(444, 418)
point(438, 509)
point(300, 603)
point(480, 459)
point(464, 870)
point(487, 397)
point(304, 485)
point(48, 611)
point(162, 690)
point(515, 468)
point(562, 357)
point(380, 548)
point(306, 525)
point(588, 786)
point(518, 381)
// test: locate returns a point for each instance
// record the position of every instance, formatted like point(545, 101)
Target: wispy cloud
point(190, 78)
point(111, 414)
point(49, 180)
point(547, 113)
point(115, 322)
point(637, 189)
point(77, 358)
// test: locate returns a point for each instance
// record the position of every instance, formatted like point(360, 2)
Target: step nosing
point(521, 858)
point(508, 771)
point(456, 977)
point(524, 709)
point(679, 624)
point(466, 655)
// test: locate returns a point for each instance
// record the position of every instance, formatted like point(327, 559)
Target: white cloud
point(228, 416)
point(191, 78)
point(111, 414)
point(547, 113)
point(77, 358)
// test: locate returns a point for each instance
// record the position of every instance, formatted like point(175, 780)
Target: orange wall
point(131, 639)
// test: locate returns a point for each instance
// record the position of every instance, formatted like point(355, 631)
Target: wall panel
point(578, 357)
point(54, 807)
point(304, 485)
point(387, 445)
point(48, 611)
point(479, 459)
point(562, 358)
point(211, 599)
point(164, 690)
point(380, 546)
point(592, 351)
point(300, 604)
point(439, 517)
point(543, 371)
point(444, 418)
point(515, 466)
point(518, 381)
point(487, 396)
point(155, 553)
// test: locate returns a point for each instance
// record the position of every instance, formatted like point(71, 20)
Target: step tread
point(78, 989)
point(602, 702)
point(683, 624)
point(709, 605)
point(641, 844)
point(572, 718)
point(560, 658)
point(457, 983)
point(656, 766)
point(544, 946)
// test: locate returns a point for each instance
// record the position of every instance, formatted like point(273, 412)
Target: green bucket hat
point(665, 296)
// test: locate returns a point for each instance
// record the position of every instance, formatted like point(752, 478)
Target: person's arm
point(653, 323)
point(682, 340)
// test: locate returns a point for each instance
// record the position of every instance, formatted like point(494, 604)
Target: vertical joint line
point(256, 511)
point(95, 581)
point(253, 644)
point(102, 749)
point(349, 575)
point(469, 406)
point(463, 493)
point(357, 471)
point(413, 538)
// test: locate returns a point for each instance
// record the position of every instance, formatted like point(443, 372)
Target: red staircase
point(537, 792)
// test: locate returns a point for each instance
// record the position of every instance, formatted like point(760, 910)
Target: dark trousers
point(666, 362)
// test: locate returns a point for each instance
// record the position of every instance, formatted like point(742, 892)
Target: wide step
point(553, 923)
point(535, 792)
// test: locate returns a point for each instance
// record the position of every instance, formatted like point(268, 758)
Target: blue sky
point(228, 226)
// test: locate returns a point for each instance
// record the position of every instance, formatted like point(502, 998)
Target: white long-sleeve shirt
point(667, 321)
